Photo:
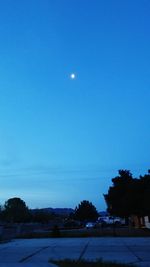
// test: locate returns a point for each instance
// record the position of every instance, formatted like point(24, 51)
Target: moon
point(72, 76)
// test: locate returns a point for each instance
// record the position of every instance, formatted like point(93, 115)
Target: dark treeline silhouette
point(15, 210)
point(128, 195)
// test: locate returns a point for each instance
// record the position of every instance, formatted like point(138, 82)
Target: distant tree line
point(15, 210)
point(128, 195)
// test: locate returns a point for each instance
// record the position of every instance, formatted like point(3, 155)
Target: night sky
point(63, 139)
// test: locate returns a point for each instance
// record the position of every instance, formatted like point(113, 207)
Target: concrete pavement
point(37, 252)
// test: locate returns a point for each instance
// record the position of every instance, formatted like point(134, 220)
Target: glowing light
point(72, 76)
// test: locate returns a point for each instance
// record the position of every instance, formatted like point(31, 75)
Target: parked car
point(109, 220)
point(90, 225)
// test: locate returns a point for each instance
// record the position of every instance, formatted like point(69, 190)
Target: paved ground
point(37, 252)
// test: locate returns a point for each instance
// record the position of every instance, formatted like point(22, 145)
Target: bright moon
point(72, 76)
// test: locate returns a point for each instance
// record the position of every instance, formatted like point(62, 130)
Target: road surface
point(37, 252)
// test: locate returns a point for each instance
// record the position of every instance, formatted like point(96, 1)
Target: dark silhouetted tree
point(118, 197)
point(145, 188)
point(15, 210)
point(129, 196)
point(86, 211)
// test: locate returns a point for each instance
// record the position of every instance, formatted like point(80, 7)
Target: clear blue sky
point(62, 140)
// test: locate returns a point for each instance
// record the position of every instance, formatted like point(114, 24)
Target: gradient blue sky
point(62, 140)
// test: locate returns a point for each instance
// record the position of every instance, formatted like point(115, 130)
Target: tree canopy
point(15, 210)
point(86, 211)
point(129, 196)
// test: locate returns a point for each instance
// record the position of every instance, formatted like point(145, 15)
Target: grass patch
point(72, 263)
